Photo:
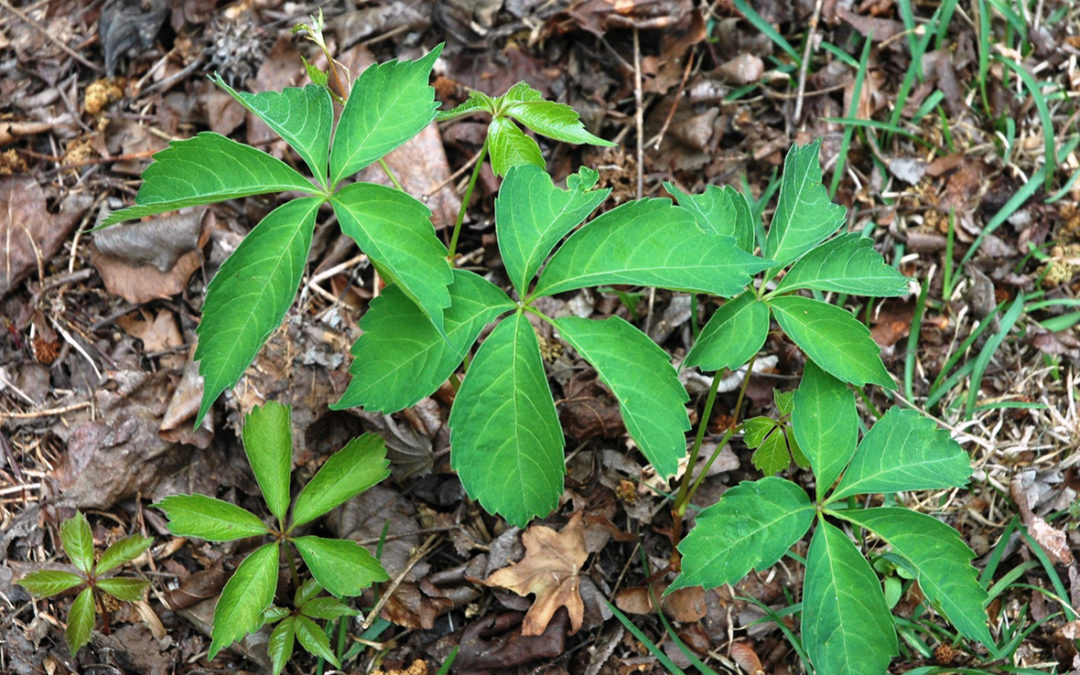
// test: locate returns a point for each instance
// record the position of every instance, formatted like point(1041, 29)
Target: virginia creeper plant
point(341, 566)
point(507, 443)
point(78, 541)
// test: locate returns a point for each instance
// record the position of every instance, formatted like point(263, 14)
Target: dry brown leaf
point(549, 570)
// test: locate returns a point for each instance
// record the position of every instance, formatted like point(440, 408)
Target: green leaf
point(478, 101)
point(246, 596)
point(206, 169)
point(395, 230)
point(652, 401)
point(825, 423)
point(506, 440)
point(756, 430)
point(209, 518)
point(904, 451)
point(649, 242)
point(942, 562)
point(784, 400)
point(314, 640)
point(124, 588)
point(833, 338)
point(804, 215)
point(752, 526)
point(47, 583)
point(349, 471)
point(250, 294)
point(509, 147)
point(389, 104)
point(273, 614)
point(281, 643)
point(78, 541)
point(401, 358)
point(327, 608)
point(846, 625)
point(341, 566)
point(554, 120)
point(80, 620)
point(122, 551)
point(734, 333)
point(720, 210)
point(520, 92)
point(308, 590)
point(303, 117)
point(846, 264)
point(532, 215)
point(267, 438)
point(772, 456)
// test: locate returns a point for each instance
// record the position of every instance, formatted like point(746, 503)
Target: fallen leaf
point(550, 571)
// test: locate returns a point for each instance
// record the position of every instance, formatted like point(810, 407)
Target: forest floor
point(950, 135)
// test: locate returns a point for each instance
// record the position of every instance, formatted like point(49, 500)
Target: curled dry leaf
point(550, 570)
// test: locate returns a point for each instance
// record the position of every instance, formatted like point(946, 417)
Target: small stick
point(806, 60)
point(51, 38)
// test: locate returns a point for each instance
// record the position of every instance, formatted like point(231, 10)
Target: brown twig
point(806, 61)
point(50, 37)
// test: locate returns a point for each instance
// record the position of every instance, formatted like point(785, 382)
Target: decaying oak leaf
point(550, 571)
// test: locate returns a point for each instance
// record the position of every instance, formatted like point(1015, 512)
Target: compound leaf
point(246, 596)
point(78, 541)
point(505, 437)
point(751, 526)
point(303, 117)
point(772, 455)
point(734, 333)
point(846, 625)
point(349, 471)
point(401, 358)
point(651, 398)
point(532, 215)
point(804, 215)
point(250, 294)
point(941, 560)
point(341, 566)
point(720, 210)
point(649, 242)
point(825, 423)
point(209, 518)
point(280, 646)
point(80, 620)
point(314, 640)
point(122, 551)
point(846, 264)
point(389, 104)
point(554, 120)
point(267, 438)
point(124, 588)
point(833, 338)
point(206, 169)
point(47, 583)
point(904, 451)
point(395, 231)
point(509, 147)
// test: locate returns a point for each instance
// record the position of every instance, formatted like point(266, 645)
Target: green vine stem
point(465, 200)
point(390, 174)
point(689, 485)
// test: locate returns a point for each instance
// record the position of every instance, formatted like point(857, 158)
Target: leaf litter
point(96, 399)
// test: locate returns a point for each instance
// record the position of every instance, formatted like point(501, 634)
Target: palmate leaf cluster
point(342, 567)
point(846, 624)
point(78, 542)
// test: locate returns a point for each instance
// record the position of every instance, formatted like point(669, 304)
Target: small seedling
point(846, 622)
point(774, 445)
point(298, 625)
point(78, 541)
point(341, 566)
